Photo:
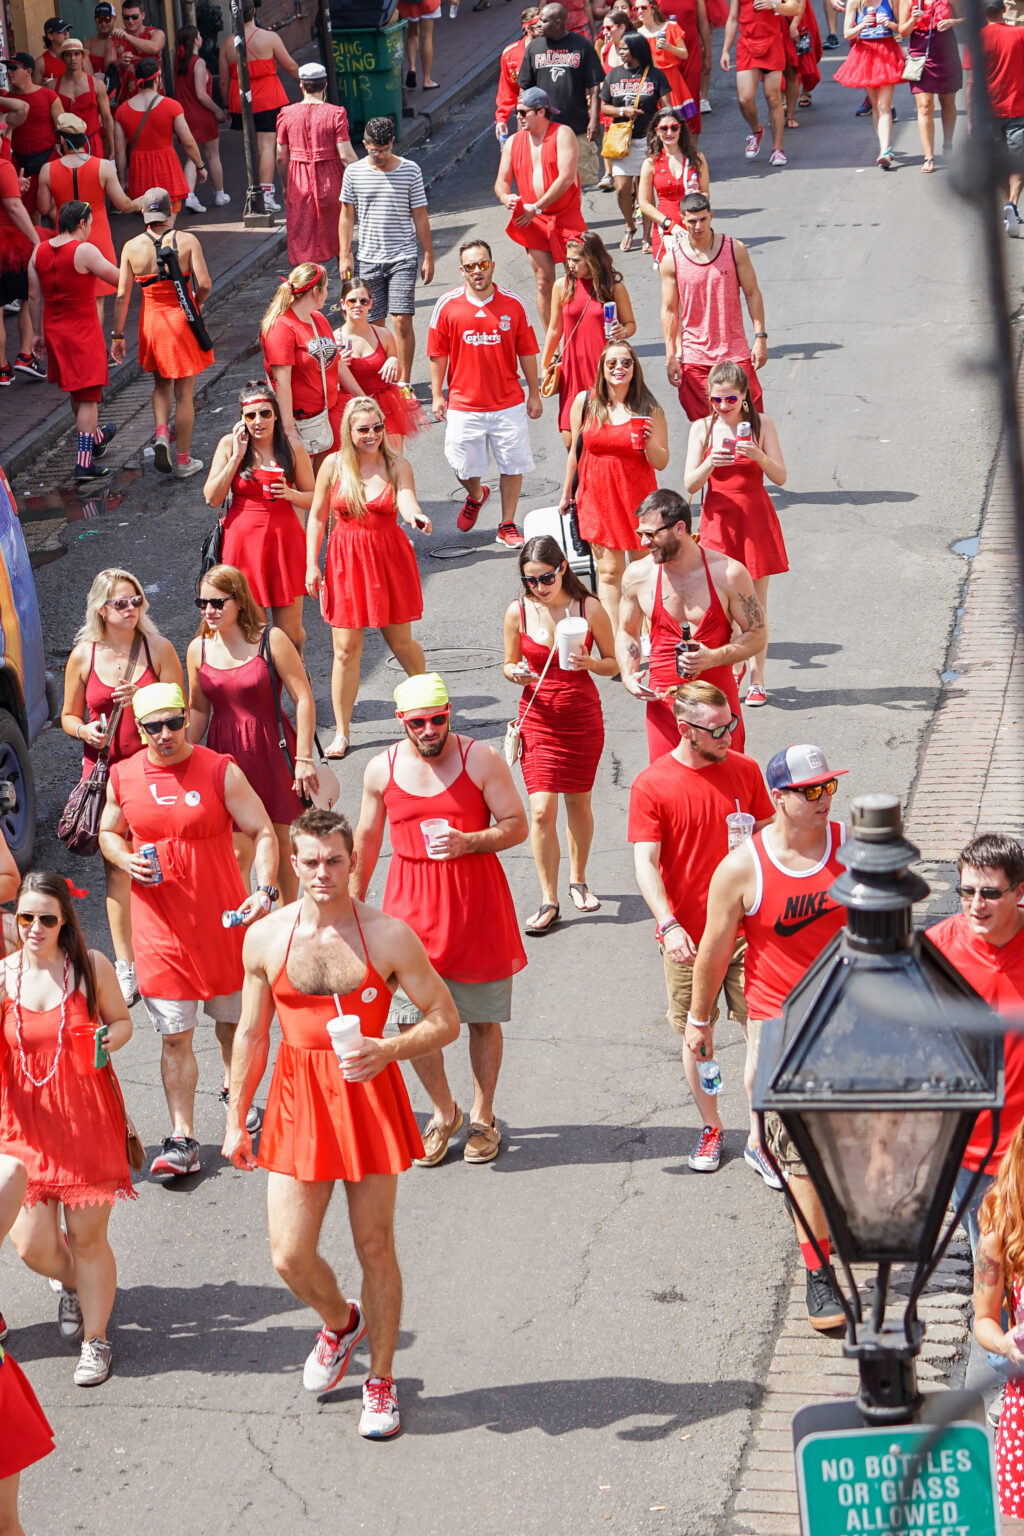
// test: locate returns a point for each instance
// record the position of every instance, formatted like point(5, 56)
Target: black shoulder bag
point(79, 825)
point(169, 269)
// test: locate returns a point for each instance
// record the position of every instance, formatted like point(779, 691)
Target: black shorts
point(13, 285)
point(265, 122)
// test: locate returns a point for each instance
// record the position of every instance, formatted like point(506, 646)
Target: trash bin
point(370, 66)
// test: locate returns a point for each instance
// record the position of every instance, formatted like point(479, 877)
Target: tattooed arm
point(628, 652)
point(735, 588)
point(988, 1301)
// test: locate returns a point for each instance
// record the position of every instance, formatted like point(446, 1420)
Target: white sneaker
point(777, 158)
point(182, 471)
point(705, 105)
point(221, 199)
point(93, 1363)
point(127, 980)
point(193, 204)
point(328, 1361)
point(1012, 220)
point(271, 203)
point(380, 1418)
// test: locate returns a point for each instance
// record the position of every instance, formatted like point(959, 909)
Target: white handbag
point(316, 432)
point(514, 728)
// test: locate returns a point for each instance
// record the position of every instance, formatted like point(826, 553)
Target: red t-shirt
point(483, 343)
point(1003, 48)
point(684, 809)
point(997, 975)
point(287, 345)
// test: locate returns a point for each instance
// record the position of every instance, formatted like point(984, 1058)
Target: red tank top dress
point(670, 66)
point(582, 344)
point(82, 182)
point(614, 479)
point(244, 728)
point(669, 191)
point(371, 577)
point(69, 1132)
point(462, 909)
point(561, 219)
point(205, 127)
point(563, 734)
point(152, 161)
point(87, 108)
point(403, 414)
point(714, 629)
point(76, 353)
point(739, 519)
point(264, 539)
point(710, 310)
point(181, 950)
point(267, 90)
point(317, 1126)
point(99, 700)
point(759, 44)
point(167, 346)
point(791, 920)
point(27, 1435)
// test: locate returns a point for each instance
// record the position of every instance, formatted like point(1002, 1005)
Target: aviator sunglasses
point(48, 919)
point(122, 604)
point(986, 892)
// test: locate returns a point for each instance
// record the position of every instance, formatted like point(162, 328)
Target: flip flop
point(536, 930)
point(332, 754)
point(583, 889)
point(929, 165)
point(626, 243)
point(805, 102)
point(435, 87)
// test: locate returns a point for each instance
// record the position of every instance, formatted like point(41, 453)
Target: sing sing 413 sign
point(910, 1480)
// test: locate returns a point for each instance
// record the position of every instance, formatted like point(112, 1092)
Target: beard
point(667, 550)
point(429, 748)
point(708, 753)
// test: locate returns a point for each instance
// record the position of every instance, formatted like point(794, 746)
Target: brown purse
point(79, 825)
point(135, 1151)
point(552, 381)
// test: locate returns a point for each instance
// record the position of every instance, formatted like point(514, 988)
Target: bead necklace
point(40, 1082)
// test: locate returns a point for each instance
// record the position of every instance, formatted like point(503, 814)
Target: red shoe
point(756, 696)
point(509, 534)
point(471, 510)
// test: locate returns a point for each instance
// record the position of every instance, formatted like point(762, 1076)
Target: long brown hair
point(1002, 1210)
point(47, 882)
point(639, 401)
point(605, 277)
point(688, 146)
point(259, 389)
point(731, 374)
point(544, 550)
point(183, 49)
point(230, 581)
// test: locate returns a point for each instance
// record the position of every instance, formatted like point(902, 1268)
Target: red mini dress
point(205, 127)
point(614, 479)
point(403, 414)
point(267, 90)
point(167, 346)
point(82, 183)
point(563, 734)
point(27, 1435)
point(264, 539)
point(583, 342)
point(152, 161)
point(371, 577)
point(669, 191)
point(317, 1126)
point(68, 1131)
point(244, 727)
point(739, 519)
point(76, 353)
point(872, 61)
point(714, 629)
point(99, 700)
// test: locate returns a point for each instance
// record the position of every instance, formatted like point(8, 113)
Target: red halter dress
point(714, 629)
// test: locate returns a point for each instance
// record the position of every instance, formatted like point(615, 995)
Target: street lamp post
point(255, 215)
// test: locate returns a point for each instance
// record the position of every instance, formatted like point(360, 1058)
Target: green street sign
point(911, 1480)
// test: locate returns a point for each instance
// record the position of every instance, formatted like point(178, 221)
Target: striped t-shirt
point(384, 201)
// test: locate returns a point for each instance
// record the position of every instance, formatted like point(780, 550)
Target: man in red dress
point(313, 149)
point(508, 75)
point(774, 888)
point(450, 887)
point(134, 41)
point(321, 952)
point(542, 160)
point(185, 801)
point(760, 57)
point(1002, 46)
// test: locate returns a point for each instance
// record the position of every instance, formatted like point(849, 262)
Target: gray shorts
point(175, 1015)
point(478, 1002)
point(392, 286)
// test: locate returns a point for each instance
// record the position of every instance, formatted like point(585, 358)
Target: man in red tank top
point(678, 584)
point(328, 950)
point(134, 41)
point(775, 888)
point(49, 67)
point(449, 887)
point(542, 160)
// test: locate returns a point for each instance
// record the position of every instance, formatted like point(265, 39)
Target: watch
point(760, 335)
point(271, 891)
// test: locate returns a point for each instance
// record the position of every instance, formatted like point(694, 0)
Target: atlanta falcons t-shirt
point(483, 342)
point(566, 69)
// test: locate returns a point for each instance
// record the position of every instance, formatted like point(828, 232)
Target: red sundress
point(244, 728)
point(152, 160)
point(563, 734)
point(614, 479)
point(739, 519)
point(264, 539)
point(582, 344)
point(403, 414)
point(99, 700)
point(371, 577)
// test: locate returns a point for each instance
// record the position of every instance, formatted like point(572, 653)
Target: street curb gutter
point(26, 451)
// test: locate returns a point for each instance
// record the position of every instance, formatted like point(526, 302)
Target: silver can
point(149, 853)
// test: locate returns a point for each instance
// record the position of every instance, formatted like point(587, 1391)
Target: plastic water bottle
point(710, 1076)
point(502, 135)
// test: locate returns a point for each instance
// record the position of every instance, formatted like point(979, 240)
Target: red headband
point(314, 283)
point(251, 399)
point(74, 891)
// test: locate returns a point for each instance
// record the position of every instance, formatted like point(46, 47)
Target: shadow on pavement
point(852, 698)
point(784, 499)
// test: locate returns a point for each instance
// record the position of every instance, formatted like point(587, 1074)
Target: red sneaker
point(471, 510)
point(509, 534)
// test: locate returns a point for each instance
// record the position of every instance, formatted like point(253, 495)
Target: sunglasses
point(725, 399)
point(815, 791)
point(122, 604)
point(211, 602)
point(649, 533)
point(420, 722)
point(612, 363)
point(266, 415)
point(478, 266)
point(716, 732)
point(986, 892)
point(47, 919)
point(524, 111)
point(157, 727)
point(668, 127)
point(547, 580)
point(351, 302)
point(378, 426)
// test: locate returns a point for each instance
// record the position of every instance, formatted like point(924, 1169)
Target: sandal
point(645, 248)
point(583, 898)
point(805, 102)
point(791, 122)
point(928, 166)
point(535, 928)
point(626, 243)
point(332, 750)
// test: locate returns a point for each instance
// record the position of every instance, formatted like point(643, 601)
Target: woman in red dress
point(270, 481)
point(202, 114)
point(145, 128)
point(577, 328)
point(27, 1435)
point(372, 358)
point(875, 65)
point(616, 469)
point(264, 51)
point(738, 517)
point(561, 721)
point(803, 56)
point(669, 51)
point(61, 1116)
point(235, 665)
point(673, 169)
point(371, 578)
point(303, 362)
point(96, 679)
point(62, 278)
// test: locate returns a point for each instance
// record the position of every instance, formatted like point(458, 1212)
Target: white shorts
point(175, 1015)
point(470, 434)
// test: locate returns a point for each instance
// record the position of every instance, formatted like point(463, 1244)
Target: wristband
point(117, 335)
point(666, 927)
point(698, 1023)
point(760, 335)
point(303, 759)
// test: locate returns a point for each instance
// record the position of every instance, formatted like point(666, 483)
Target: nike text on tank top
point(790, 922)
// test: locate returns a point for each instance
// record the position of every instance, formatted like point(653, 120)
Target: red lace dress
point(371, 577)
point(403, 414)
point(614, 479)
point(563, 734)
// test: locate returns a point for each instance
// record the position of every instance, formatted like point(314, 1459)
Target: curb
point(421, 127)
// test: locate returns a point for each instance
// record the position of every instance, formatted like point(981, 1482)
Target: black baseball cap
point(55, 24)
point(105, 9)
point(19, 61)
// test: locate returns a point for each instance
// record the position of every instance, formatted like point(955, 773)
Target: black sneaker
point(91, 471)
point(253, 1119)
point(831, 41)
point(109, 433)
point(25, 363)
point(824, 1306)
point(178, 1155)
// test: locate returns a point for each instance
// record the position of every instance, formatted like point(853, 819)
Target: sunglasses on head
point(815, 791)
point(211, 602)
point(48, 920)
point(986, 892)
point(122, 604)
point(262, 415)
point(420, 722)
point(725, 399)
point(169, 723)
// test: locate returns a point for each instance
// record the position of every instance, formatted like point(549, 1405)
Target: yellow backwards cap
point(424, 691)
point(157, 696)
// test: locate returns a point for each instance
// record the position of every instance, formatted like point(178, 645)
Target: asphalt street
point(586, 1322)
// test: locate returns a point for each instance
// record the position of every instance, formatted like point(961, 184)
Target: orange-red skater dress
point(371, 578)
point(317, 1126)
point(166, 344)
point(152, 161)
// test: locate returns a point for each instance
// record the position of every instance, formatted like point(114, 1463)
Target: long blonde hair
point(307, 275)
point(230, 582)
point(103, 584)
point(346, 461)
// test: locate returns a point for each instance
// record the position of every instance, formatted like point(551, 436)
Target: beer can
point(743, 431)
point(149, 853)
point(611, 315)
point(232, 919)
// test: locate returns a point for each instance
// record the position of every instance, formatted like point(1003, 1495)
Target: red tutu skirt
point(403, 414)
point(26, 1437)
point(877, 62)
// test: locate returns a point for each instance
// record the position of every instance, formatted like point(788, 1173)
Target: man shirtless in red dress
point(322, 956)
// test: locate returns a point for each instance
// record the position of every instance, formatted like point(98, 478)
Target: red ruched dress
point(563, 734)
point(714, 629)
point(69, 1132)
point(403, 414)
point(244, 727)
point(371, 577)
point(583, 341)
point(614, 479)
point(27, 1435)
point(99, 700)
point(76, 353)
point(462, 909)
point(738, 518)
point(264, 539)
point(152, 161)
point(317, 1126)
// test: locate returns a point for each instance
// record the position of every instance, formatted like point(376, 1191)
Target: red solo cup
point(271, 477)
point(639, 429)
point(83, 1045)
